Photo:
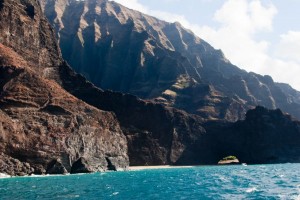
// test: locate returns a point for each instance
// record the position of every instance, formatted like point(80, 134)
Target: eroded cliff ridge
point(124, 50)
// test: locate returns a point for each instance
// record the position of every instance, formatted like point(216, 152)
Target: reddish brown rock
point(24, 28)
point(44, 126)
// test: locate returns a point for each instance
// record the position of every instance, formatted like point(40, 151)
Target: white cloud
point(170, 17)
point(133, 4)
point(172, 1)
point(285, 71)
point(289, 46)
point(167, 16)
point(286, 64)
point(239, 21)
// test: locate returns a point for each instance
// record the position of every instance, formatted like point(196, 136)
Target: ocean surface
point(208, 182)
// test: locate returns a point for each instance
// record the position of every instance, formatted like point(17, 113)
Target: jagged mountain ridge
point(124, 50)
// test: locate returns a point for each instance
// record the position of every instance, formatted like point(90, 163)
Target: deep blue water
point(207, 182)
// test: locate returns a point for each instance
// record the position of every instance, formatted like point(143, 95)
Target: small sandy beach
point(134, 168)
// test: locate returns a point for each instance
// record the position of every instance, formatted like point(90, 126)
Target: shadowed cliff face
point(161, 135)
point(124, 50)
point(265, 136)
point(43, 129)
point(156, 134)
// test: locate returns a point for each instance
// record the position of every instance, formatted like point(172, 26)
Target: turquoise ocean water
point(207, 182)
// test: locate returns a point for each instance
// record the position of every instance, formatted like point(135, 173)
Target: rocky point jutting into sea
point(52, 120)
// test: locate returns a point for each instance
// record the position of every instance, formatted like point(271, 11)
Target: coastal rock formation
point(229, 160)
point(163, 136)
point(43, 129)
point(157, 135)
point(124, 50)
point(265, 136)
point(160, 135)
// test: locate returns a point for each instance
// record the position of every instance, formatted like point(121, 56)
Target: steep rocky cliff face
point(124, 50)
point(24, 28)
point(43, 129)
point(156, 134)
point(162, 135)
point(265, 136)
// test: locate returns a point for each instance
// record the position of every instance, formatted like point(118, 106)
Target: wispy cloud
point(133, 4)
point(240, 21)
point(167, 16)
point(289, 46)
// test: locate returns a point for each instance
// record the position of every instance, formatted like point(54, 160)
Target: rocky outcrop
point(265, 136)
point(48, 129)
point(12, 166)
point(81, 166)
point(124, 50)
point(229, 162)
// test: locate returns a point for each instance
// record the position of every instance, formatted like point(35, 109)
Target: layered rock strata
point(44, 129)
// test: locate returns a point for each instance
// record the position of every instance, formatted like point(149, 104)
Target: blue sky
point(262, 36)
